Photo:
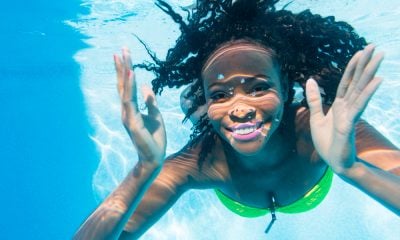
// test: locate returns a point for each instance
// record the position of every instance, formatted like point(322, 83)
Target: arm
point(147, 133)
point(166, 189)
point(376, 170)
point(180, 172)
point(369, 163)
point(109, 219)
point(383, 186)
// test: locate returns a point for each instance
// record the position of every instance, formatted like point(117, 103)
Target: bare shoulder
point(301, 120)
point(181, 171)
point(372, 146)
point(189, 171)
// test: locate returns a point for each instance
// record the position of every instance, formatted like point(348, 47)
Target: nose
point(242, 113)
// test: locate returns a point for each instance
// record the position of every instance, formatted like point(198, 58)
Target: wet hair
point(306, 45)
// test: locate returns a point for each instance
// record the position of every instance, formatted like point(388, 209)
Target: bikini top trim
point(309, 201)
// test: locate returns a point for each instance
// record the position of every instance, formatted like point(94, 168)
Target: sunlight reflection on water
point(198, 215)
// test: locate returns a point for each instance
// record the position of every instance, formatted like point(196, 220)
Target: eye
point(259, 89)
point(219, 96)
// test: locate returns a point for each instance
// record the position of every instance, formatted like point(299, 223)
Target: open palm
point(147, 132)
point(333, 134)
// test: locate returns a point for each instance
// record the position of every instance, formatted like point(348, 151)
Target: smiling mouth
point(245, 131)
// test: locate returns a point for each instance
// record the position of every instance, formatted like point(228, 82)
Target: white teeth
point(244, 131)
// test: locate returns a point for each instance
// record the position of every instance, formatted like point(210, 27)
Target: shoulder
point(186, 170)
point(298, 120)
point(372, 146)
point(300, 116)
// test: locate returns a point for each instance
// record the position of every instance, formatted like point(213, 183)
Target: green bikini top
point(309, 201)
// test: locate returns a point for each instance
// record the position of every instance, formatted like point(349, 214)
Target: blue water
point(47, 157)
point(63, 147)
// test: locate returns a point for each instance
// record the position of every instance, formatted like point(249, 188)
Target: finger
point(129, 81)
point(131, 116)
point(348, 75)
point(370, 71)
point(140, 136)
point(314, 100)
point(126, 55)
point(155, 114)
point(129, 91)
point(363, 99)
point(367, 75)
point(119, 71)
point(361, 64)
point(151, 102)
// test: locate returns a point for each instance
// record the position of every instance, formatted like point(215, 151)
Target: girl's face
point(244, 95)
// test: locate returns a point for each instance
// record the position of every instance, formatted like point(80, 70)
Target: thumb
point(314, 100)
point(150, 100)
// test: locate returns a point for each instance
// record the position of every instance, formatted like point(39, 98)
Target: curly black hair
point(306, 45)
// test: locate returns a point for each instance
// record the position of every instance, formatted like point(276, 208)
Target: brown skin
point(181, 172)
point(287, 159)
point(294, 169)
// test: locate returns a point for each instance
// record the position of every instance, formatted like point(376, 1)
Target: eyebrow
point(251, 78)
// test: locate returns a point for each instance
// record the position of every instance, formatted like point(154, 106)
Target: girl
point(258, 148)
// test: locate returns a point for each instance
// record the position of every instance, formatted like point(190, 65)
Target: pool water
point(65, 147)
point(46, 154)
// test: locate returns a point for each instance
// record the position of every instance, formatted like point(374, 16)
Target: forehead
point(238, 59)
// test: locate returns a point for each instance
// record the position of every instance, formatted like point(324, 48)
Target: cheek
point(269, 103)
point(216, 112)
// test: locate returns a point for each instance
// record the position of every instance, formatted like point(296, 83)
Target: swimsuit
point(309, 201)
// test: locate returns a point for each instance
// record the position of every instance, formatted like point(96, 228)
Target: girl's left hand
point(333, 134)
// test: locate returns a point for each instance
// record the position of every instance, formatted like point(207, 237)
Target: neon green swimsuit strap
point(309, 201)
point(238, 208)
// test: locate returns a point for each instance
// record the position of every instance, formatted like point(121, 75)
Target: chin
point(249, 148)
point(246, 152)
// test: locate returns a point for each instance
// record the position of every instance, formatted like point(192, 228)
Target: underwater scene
point(65, 148)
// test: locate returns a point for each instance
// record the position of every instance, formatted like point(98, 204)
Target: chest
point(299, 170)
point(287, 185)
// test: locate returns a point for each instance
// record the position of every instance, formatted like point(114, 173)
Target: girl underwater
point(259, 149)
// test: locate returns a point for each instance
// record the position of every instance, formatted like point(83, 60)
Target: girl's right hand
point(147, 132)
